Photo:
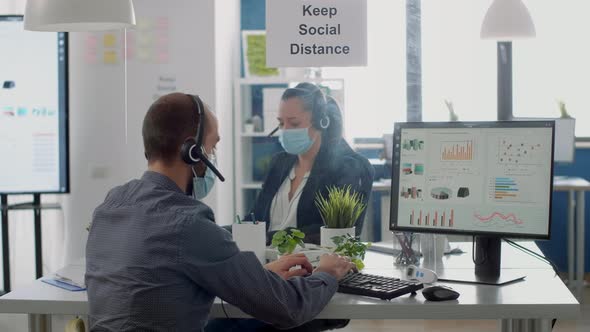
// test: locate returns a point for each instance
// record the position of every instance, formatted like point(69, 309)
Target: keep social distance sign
point(316, 33)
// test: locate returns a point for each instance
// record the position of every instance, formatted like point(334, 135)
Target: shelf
point(252, 185)
point(254, 134)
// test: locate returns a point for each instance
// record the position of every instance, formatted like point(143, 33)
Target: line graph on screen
point(499, 217)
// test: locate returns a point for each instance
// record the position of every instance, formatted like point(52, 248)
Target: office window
point(556, 64)
point(375, 96)
point(456, 64)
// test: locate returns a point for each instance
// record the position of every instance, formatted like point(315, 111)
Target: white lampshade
point(78, 15)
point(506, 20)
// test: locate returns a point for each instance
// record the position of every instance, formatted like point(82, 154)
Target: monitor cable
point(532, 253)
point(223, 308)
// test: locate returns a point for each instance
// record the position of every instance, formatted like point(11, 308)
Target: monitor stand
point(487, 266)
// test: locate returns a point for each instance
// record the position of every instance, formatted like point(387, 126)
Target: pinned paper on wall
point(109, 40)
point(150, 41)
point(254, 52)
point(110, 57)
point(102, 48)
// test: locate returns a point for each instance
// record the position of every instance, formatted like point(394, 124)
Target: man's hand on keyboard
point(336, 265)
point(283, 266)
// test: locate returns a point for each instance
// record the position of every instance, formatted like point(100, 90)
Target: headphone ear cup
point(187, 152)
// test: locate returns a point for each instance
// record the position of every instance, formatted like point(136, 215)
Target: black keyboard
point(385, 288)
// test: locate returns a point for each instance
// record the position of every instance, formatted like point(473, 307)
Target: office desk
point(528, 305)
point(576, 188)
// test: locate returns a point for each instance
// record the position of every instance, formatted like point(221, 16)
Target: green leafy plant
point(286, 242)
point(351, 246)
point(563, 110)
point(452, 115)
point(342, 208)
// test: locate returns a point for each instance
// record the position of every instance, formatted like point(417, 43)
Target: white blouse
point(283, 213)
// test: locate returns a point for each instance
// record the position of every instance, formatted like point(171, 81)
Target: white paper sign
point(316, 33)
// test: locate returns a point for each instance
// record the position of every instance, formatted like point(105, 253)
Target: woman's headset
point(192, 150)
point(320, 118)
point(320, 108)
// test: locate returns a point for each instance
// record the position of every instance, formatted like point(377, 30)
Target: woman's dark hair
point(321, 107)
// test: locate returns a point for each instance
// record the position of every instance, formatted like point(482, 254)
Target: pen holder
point(408, 245)
point(251, 237)
point(432, 247)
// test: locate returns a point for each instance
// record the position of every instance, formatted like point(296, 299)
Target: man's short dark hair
point(168, 122)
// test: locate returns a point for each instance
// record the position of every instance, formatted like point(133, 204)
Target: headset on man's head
point(192, 150)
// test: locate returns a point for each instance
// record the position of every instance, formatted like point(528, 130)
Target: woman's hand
point(283, 266)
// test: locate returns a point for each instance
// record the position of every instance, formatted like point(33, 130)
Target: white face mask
point(203, 186)
point(295, 141)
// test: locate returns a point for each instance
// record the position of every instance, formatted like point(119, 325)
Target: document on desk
point(70, 277)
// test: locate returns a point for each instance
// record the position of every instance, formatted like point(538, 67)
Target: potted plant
point(340, 212)
point(351, 246)
point(286, 241)
point(452, 115)
point(249, 126)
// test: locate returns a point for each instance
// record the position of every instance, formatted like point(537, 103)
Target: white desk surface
point(541, 295)
point(570, 183)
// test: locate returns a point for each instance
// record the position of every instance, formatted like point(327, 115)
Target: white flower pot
point(326, 235)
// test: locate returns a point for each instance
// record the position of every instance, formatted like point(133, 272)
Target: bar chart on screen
point(434, 218)
point(504, 189)
point(456, 151)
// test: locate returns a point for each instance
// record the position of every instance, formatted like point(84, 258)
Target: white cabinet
point(253, 149)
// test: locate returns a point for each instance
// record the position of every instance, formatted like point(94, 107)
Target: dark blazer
point(337, 166)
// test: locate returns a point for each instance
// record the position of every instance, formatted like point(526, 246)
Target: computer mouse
point(440, 293)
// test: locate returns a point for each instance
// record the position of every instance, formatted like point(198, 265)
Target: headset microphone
point(213, 168)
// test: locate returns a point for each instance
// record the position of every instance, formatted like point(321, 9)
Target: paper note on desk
point(251, 237)
point(62, 284)
point(70, 277)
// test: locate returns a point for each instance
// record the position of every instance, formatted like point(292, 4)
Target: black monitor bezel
point(64, 122)
point(395, 177)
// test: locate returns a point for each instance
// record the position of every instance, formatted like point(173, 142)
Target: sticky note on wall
point(110, 57)
point(109, 40)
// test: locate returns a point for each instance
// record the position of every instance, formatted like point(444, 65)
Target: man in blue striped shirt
point(156, 259)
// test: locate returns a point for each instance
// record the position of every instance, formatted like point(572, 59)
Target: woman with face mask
point(316, 157)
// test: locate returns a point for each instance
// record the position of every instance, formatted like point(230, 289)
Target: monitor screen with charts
point(33, 110)
point(478, 178)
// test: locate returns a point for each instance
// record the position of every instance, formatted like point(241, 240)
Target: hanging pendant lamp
point(507, 20)
point(78, 15)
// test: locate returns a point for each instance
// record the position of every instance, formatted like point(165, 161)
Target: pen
point(253, 218)
point(273, 131)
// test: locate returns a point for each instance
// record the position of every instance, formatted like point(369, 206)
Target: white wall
point(12, 7)
point(100, 144)
point(227, 67)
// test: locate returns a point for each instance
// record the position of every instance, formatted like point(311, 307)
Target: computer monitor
point(489, 179)
point(33, 110)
